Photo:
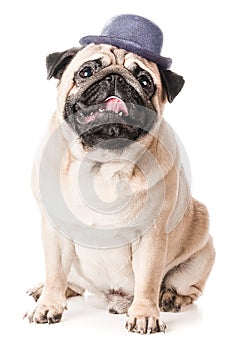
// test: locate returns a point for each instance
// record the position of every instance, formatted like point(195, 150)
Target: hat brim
point(163, 62)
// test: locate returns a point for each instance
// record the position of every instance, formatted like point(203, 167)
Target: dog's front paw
point(45, 313)
point(145, 324)
point(144, 318)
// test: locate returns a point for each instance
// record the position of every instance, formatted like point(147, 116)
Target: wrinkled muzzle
point(110, 113)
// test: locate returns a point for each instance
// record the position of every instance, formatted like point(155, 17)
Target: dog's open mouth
point(111, 124)
point(112, 104)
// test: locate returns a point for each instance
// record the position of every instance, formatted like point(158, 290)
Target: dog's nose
point(115, 79)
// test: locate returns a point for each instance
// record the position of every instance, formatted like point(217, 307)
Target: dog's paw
point(173, 302)
point(145, 325)
point(118, 301)
point(46, 313)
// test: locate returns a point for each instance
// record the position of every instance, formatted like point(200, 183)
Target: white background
point(197, 36)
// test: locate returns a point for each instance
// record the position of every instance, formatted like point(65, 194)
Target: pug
point(146, 247)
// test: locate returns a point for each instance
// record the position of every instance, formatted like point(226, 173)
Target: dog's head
point(110, 97)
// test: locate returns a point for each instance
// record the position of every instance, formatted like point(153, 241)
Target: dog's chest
point(105, 197)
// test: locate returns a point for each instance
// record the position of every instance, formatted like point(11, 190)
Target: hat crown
point(135, 34)
point(139, 30)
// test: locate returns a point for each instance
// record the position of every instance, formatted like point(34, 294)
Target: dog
point(140, 238)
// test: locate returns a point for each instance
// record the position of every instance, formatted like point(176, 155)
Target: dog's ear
point(57, 62)
point(172, 83)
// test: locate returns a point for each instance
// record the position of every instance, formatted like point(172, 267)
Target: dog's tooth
point(91, 113)
point(101, 110)
point(120, 114)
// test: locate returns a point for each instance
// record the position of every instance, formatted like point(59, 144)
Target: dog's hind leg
point(185, 283)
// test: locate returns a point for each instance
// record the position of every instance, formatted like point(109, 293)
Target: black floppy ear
point(57, 62)
point(172, 83)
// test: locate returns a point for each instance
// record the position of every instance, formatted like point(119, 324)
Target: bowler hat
point(135, 34)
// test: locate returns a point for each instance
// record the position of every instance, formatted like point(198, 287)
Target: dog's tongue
point(116, 105)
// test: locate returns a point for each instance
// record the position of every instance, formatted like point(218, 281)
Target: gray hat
point(135, 34)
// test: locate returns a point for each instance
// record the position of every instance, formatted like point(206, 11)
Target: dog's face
point(110, 97)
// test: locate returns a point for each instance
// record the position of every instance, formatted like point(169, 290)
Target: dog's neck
point(125, 161)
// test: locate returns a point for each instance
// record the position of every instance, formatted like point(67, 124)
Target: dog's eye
point(86, 72)
point(144, 81)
